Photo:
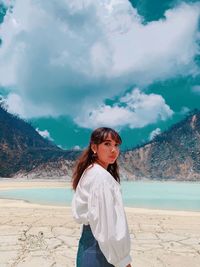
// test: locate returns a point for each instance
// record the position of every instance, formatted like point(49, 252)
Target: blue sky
point(71, 66)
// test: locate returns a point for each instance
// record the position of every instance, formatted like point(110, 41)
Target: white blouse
point(98, 201)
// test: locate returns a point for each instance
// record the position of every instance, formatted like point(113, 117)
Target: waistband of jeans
point(86, 227)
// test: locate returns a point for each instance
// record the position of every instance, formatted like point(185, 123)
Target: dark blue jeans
point(89, 253)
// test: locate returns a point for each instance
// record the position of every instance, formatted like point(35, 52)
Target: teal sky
point(134, 68)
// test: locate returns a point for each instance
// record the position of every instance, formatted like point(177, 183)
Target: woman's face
point(107, 152)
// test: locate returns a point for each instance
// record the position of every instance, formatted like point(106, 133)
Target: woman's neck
point(104, 165)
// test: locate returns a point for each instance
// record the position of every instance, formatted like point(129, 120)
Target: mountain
point(173, 154)
point(23, 150)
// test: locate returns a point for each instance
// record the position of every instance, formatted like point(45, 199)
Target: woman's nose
point(113, 149)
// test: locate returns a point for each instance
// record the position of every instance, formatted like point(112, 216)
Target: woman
point(97, 204)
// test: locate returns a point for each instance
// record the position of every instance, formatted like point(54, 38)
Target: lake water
point(156, 195)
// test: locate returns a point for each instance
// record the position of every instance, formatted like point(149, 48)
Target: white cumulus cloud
point(66, 57)
point(135, 110)
point(154, 133)
point(44, 133)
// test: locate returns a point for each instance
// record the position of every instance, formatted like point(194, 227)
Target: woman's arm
point(108, 223)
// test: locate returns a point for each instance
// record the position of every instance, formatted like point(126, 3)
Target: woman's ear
point(94, 148)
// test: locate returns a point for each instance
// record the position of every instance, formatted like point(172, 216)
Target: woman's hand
point(128, 265)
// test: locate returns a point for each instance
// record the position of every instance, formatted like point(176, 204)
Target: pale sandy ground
point(24, 183)
point(33, 235)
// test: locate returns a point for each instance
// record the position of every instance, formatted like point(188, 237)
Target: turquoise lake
point(156, 195)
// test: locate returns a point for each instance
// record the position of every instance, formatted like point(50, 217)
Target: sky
point(68, 67)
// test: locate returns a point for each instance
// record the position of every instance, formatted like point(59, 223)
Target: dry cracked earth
point(40, 236)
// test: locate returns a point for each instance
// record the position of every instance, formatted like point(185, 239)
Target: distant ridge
point(23, 149)
point(173, 154)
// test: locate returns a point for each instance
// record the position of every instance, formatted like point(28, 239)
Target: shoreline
point(23, 184)
point(67, 180)
point(8, 202)
point(44, 183)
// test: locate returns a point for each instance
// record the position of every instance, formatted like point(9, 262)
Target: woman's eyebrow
point(109, 140)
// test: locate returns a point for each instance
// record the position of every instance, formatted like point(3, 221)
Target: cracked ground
point(34, 235)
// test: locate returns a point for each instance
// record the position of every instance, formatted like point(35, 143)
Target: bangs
point(99, 135)
point(114, 136)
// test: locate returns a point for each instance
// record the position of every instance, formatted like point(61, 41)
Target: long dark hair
point(87, 157)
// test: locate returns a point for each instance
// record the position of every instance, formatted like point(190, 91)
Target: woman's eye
point(107, 144)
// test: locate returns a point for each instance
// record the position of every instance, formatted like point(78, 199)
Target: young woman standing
point(97, 204)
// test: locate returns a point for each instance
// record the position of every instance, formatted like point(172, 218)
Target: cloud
point(135, 110)
point(76, 148)
point(67, 57)
point(154, 133)
point(16, 104)
point(2, 99)
point(184, 110)
point(4, 3)
point(196, 89)
point(44, 134)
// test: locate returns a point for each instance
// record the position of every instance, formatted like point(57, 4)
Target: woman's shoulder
point(92, 172)
point(98, 176)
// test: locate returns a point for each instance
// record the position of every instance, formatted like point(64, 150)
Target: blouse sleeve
point(108, 223)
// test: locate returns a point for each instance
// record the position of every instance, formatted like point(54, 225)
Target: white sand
point(6, 184)
point(38, 235)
